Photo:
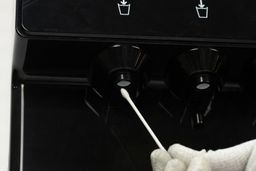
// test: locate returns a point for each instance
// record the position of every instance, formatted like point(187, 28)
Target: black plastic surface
point(61, 133)
point(229, 20)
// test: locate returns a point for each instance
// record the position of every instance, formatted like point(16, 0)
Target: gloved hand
point(180, 158)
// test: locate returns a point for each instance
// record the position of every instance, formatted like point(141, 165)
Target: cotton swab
point(126, 96)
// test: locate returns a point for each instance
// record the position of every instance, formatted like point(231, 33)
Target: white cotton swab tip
point(126, 96)
point(125, 93)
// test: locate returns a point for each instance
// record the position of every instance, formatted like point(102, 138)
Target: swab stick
point(126, 96)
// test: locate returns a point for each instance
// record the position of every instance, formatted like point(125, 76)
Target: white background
point(7, 13)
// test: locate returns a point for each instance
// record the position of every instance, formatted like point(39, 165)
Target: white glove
point(180, 158)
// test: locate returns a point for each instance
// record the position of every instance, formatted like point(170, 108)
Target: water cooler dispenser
point(190, 67)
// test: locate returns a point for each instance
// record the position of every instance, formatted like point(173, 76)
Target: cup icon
point(124, 9)
point(202, 12)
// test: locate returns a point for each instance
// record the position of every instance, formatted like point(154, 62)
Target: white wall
point(7, 13)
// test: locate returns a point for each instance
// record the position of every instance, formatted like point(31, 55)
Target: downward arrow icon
point(123, 2)
point(124, 8)
point(201, 5)
point(202, 10)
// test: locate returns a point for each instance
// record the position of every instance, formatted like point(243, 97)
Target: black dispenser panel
point(147, 19)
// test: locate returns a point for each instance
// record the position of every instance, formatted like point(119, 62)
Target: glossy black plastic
point(230, 21)
point(116, 67)
point(194, 77)
point(63, 49)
